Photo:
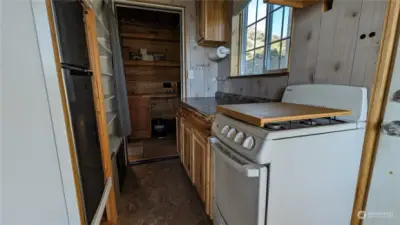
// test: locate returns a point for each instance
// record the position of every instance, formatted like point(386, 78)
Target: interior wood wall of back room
point(326, 49)
point(202, 73)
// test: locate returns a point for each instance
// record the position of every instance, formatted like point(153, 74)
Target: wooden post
point(383, 73)
point(98, 95)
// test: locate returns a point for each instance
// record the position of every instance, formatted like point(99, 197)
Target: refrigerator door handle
point(76, 70)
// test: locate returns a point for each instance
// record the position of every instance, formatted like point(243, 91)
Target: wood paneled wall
point(338, 45)
point(327, 48)
point(200, 71)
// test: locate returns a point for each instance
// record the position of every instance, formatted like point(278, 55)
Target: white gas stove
point(296, 172)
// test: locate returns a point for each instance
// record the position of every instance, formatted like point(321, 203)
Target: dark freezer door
point(80, 97)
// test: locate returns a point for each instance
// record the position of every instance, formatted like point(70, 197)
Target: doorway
point(152, 51)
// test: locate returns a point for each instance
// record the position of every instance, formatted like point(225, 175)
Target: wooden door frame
point(377, 104)
point(98, 97)
point(166, 8)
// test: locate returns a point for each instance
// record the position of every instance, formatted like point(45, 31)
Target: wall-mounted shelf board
point(109, 97)
point(115, 142)
point(102, 25)
point(166, 95)
point(148, 36)
point(104, 48)
point(151, 63)
point(107, 74)
point(110, 117)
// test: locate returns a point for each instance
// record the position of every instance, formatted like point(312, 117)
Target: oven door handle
point(250, 170)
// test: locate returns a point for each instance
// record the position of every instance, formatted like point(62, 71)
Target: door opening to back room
point(151, 43)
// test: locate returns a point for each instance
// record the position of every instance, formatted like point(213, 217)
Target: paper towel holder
point(218, 53)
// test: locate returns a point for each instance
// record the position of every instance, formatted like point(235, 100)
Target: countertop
point(208, 105)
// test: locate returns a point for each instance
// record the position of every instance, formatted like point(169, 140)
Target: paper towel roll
point(218, 53)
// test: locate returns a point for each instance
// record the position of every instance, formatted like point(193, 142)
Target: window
point(265, 38)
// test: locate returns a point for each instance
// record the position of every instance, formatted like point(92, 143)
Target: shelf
point(161, 95)
point(151, 63)
point(107, 74)
point(108, 97)
point(104, 48)
point(103, 26)
point(110, 117)
point(115, 143)
point(149, 37)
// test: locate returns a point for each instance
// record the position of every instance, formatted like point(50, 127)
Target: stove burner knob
point(225, 130)
point(231, 133)
point(239, 138)
point(248, 143)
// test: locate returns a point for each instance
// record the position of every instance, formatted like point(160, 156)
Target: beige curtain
point(119, 74)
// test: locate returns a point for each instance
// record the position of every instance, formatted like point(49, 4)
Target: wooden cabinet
point(202, 169)
point(186, 143)
point(195, 153)
point(178, 138)
point(212, 22)
point(199, 151)
point(139, 109)
point(293, 3)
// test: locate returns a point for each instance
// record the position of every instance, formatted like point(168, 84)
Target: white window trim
point(243, 37)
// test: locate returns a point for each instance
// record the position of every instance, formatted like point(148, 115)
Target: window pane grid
point(271, 53)
point(278, 40)
point(254, 49)
point(280, 50)
point(273, 10)
point(255, 22)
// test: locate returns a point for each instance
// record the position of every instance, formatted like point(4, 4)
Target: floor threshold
point(153, 160)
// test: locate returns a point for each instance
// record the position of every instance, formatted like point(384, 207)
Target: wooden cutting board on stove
point(261, 113)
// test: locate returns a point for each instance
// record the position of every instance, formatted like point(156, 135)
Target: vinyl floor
point(160, 193)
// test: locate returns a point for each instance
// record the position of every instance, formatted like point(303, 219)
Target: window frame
point(243, 27)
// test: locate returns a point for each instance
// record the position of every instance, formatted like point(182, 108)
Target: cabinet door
point(210, 182)
point(186, 146)
point(181, 138)
point(212, 22)
point(139, 110)
point(199, 148)
point(200, 19)
point(177, 126)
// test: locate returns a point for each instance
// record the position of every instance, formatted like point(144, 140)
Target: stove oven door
point(240, 191)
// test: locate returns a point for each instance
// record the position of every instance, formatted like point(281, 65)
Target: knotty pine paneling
point(326, 48)
point(203, 82)
point(170, 49)
point(332, 45)
point(147, 73)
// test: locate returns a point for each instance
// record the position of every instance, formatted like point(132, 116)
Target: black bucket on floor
point(159, 127)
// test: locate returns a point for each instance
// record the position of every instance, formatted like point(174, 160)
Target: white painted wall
point(36, 173)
